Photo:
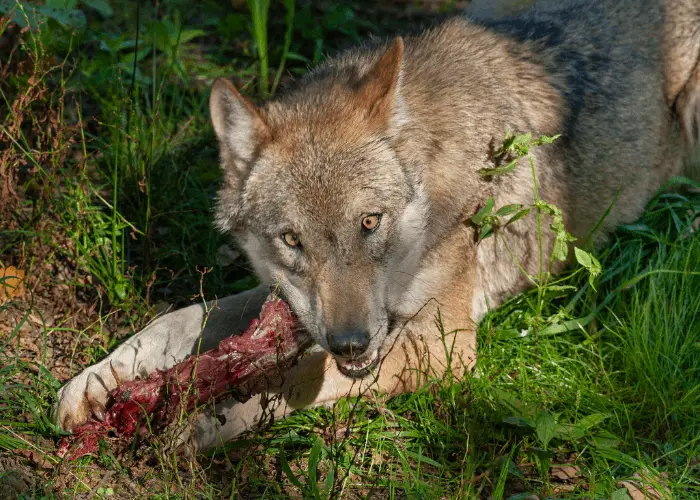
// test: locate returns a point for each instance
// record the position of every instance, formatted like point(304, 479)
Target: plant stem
point(259, 10)
point(540, 287)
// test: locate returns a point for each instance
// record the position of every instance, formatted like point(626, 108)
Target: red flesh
point(239, 367)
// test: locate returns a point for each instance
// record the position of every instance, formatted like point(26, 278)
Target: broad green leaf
point(583, 257)
point(514, 470)
point(506, 146)
point(500, 170)
point(589, 262)
point(518, 216)
point(620, 494)
point(479, 217)
point(561, 249)
point(73, 18)
point(512, 402)
point(522, 141)
point(128, 57)
point(592, 420)
point(188, 35)
point(570, 432)
point(486, 231)
point(26, 14)
point(161, 32)
point(604, 440)
point(548, 209)
point(541, 453)
point(101, 6)
point(567, 326)
point(233, 24)
point(544, 139)
point(520, 422)
point(545, 427)
point(508, 209)
point(120, 290)
point(338, 16)
point(124, 45)
point(61, 4)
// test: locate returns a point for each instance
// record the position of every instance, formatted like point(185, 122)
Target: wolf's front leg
point(316, 381)
point(162, 344)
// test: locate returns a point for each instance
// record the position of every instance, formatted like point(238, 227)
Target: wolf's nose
point(350, 342)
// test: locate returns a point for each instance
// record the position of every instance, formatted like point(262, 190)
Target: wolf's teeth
point(361, 365)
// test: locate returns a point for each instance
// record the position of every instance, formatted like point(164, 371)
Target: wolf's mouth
point(358, 367)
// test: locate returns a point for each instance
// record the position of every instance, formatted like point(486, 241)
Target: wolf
point(352, 192)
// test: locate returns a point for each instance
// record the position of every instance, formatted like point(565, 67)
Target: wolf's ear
point(241, 129)
point(238, 124)
point(380, 88)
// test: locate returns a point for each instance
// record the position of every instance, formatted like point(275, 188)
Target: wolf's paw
point(85, 395)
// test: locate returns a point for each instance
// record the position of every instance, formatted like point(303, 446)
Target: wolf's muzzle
point(349, 342)
point(350, 349)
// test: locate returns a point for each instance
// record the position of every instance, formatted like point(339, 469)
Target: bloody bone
point(239, 366)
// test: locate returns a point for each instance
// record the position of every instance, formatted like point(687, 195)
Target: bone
point(240, 367)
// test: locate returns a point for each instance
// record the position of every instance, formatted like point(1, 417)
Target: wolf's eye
point(371, 222)
point(291, 239)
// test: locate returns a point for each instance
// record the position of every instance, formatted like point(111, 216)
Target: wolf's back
point(597, 45)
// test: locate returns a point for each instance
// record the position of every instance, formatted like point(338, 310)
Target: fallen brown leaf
point(10, 283)
point(563, 488)
point(638, 490)
point(565, 472)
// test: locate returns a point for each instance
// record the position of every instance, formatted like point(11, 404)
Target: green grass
point(114, 166)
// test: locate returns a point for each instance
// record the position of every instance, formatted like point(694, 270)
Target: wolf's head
point(316, 195)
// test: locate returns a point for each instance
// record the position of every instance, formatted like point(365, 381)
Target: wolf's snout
point(349, 342)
